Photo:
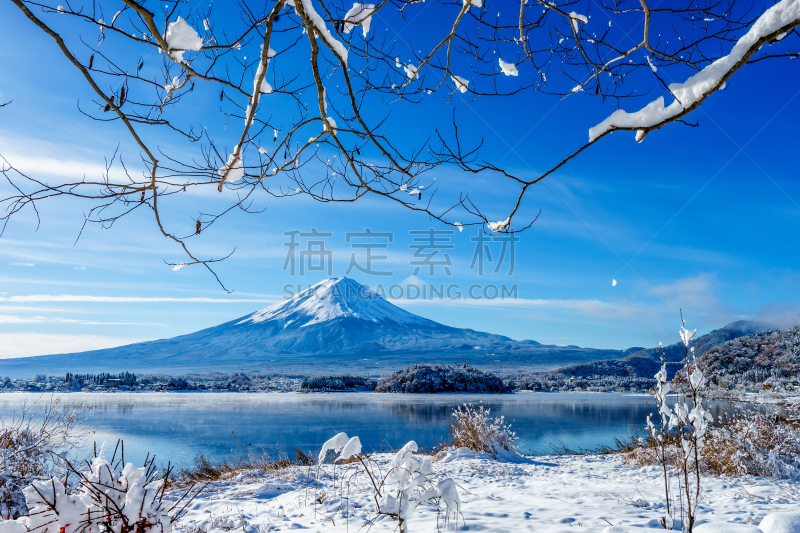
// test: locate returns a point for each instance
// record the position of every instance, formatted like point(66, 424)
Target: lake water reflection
point(176, 426)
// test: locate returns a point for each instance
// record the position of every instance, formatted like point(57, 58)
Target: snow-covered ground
point(545, 494)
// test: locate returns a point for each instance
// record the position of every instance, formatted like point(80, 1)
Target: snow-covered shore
point(549, 494)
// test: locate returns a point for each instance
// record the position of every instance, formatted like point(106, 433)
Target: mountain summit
point(333, 299)
point(337, 325)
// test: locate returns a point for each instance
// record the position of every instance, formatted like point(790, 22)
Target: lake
point(177, 426)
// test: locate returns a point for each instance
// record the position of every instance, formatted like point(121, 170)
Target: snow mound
point(12, 526)
point(781, 523)
point(630, 529)
point(460, 455)
point(726, 527)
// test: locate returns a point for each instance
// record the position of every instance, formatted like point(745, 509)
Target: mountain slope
point(334, 317)
point(645, 363)
point(337, 325)
point(768, 357)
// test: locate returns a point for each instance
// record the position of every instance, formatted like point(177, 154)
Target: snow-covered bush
point(30, 447)
point(658, 434)
point(751, 442)
point(475, 429)
point(689, 419)
point(101, 500)
point(434, 378)
point(409, 482)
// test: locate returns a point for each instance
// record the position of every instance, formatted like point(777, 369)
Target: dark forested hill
point(637, 370)
point(769, 358)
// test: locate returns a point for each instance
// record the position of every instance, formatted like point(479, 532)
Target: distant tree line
point(128, 381)
point(337, 384)
point(103, 379)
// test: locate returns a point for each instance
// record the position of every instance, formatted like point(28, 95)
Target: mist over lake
point(178, 426)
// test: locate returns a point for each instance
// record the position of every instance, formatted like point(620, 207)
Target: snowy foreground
point(547, 494)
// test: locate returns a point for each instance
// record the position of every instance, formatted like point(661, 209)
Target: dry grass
point(754, 443)
point(475, 429)
point(204, 469)
point(748, 442)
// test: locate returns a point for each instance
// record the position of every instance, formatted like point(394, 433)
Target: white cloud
point(13, 319)
point(128, 299)
point(695, 295)
point(412, 281)
point(590, 307)
point(30, 344)
point(22, 264)
point(53, 165)
point(38, 319)
point(779, 315)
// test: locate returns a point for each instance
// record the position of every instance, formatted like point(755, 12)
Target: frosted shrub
point(658, 433)
point(475, 429)
point(747, 443)
point(101, 500)
point(30, 447)
point(754, 443)
point(689, 419)
point(408, 483)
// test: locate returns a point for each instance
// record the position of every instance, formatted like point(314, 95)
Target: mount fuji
point(336, 325)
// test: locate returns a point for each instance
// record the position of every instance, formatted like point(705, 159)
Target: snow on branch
point(776, 21)
point(321, 27)
point(130, 500)
point(321, 109)
point(181, 38)
point(359, 15)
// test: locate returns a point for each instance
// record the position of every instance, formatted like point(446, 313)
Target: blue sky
point(701, 219)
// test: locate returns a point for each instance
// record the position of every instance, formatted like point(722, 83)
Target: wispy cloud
point(129, 299)
point(22, 264)
point(54, 166)
point(696, 294)
point(30, 344)
point(589, 307)
point(38, 319)
point(13, 319)
point(779, 315)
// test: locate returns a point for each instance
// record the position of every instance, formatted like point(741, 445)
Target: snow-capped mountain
point(333, 299)
point(335, 325)
point(336, 316)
